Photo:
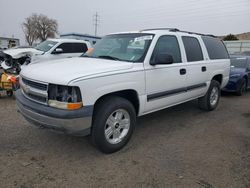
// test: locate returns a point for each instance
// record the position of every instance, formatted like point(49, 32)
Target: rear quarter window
point(215, 48)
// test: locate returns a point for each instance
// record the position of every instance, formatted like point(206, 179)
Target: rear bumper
point(76, 122)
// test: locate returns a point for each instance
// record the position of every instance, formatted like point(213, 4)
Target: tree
point(46, 27)
point(230, 37)
point(29, 29)
point(39, 27)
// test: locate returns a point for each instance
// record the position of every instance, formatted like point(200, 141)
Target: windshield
point(240, 62)
point(45, 46)
point(123, 47)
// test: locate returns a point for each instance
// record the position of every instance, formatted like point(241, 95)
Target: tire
point(113, 124)
point(211, 100)
point(242, 88)
point(9, 93)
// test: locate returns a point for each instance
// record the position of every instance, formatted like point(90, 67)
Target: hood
point(234, 71)
point(62, 71)
point(20, 52)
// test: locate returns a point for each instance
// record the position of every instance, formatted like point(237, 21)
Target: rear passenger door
point(197, 67)
point(165, 83)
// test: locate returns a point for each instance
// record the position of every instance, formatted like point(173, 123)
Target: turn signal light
point(65, 105)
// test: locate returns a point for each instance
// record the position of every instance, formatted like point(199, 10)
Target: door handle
point(183, 71)
point(204, 69)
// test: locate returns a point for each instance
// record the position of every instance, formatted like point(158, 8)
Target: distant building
point(237, 46)
point(92, 39)
point(6, 42)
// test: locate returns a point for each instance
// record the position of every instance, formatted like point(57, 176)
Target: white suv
point(125, 76)
point(48, 50)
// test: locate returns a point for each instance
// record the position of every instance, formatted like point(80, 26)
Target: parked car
point(126, 75)
point(1, 58)
point(47, 50)
point(239, 80)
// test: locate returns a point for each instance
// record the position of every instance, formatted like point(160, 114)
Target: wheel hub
point(214, 96)
point(117, 126)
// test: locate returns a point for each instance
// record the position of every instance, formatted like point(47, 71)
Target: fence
point(238, 46)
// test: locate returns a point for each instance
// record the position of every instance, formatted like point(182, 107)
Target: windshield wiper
point(108, 57)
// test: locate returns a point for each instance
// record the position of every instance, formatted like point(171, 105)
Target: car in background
point(47, 50)
point(239, 80)
point(1, 58)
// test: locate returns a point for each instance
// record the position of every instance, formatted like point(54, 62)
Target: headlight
point(235, 76)
point(64, 97)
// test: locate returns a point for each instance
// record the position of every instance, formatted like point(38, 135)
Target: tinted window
point(168, 45)
point(73, 47)
point(192, 48)
point(66, 47)
point(215, 48)
point(79, 48)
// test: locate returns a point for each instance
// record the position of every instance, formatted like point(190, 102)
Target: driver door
point(165, 83)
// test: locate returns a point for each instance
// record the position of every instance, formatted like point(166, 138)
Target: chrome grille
point(36, 85)
point(33, 90)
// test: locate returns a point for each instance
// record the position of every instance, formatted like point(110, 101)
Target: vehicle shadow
point(166, 120)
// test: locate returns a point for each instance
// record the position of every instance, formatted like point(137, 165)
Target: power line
point(96, 19)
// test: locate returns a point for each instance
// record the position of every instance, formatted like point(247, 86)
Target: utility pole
point(96, 20)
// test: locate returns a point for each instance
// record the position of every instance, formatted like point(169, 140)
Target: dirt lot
point(178, 147)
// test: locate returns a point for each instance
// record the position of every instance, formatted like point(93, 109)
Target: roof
point(164, 30)
point(9, 38)
point(66, 40)
point(80, 35)
point(177, 30)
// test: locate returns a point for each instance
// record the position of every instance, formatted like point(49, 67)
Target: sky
point(217, 17)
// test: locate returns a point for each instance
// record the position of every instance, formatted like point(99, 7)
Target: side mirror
point(58, 51)
point(162, 58)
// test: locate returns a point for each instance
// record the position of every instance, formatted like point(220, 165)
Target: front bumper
point(231, 86)
point(77, 122)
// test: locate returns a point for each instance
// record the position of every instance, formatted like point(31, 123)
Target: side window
point(73, 47)
point(215, 48)
point(79, 48)
point(167, 45)
point(192, 48)
point(66, 47)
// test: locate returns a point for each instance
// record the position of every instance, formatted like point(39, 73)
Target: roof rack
point(177, 30)
point(170, 29)
point(189, 32)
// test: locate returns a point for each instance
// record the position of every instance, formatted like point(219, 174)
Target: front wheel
point(113, 124)
point(211, 100)
point(242, 88)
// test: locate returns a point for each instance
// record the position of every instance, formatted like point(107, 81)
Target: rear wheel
point(242, 88)
point(211, 99)
point(113, 124)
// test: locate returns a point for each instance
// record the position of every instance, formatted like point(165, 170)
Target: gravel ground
point(177, 147)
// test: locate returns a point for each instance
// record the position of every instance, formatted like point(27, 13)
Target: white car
point(48, 50)
point(125, 76)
